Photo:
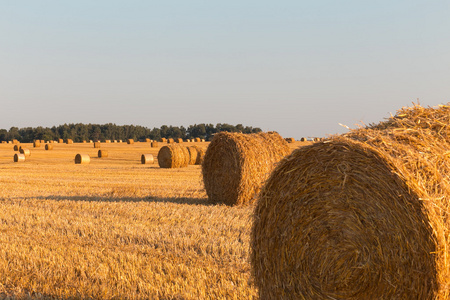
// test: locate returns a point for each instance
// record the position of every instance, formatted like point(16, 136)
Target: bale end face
point(334, 221)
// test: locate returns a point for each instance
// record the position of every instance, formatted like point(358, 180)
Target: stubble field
point(116, 229)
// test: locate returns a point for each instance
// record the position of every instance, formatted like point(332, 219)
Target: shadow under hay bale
point(173, 156)
point(359, 216)
point(82, 159)
point(235, 165)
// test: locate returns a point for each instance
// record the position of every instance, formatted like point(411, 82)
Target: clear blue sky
point(297, 67)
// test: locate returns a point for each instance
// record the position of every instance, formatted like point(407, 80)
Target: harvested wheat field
point(116, 229)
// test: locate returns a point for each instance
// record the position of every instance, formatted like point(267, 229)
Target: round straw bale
point(36, 144)
point(15, 141)
point(25, 151)
point(60, 141)
point(97, 144)
point(163, 140)
point(303, 139)
point(82, 159)
point(107, 141)
point(154, 145)
point(173, 156)
point(19, 157)
point(192, 154)
point(69, 141)
point(148, 140)
point(235, 165)
point(130, 141)
point(84, 141)
point(197, 140)
point(359, 216)
point(202, 140)
point(147, 159)
point(179, 140)
point(102, 153)
point(170, 141)
point(48, 146)
point(290, 140)
point(16, 147)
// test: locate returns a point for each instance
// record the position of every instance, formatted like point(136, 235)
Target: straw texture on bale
point(25, 151)
point(154, 144)
point(102, 153)
point(48, 146)
point(130, 141)
point(173, 156)
point(196, 155)
point(19, 157)
point(235, 165)
point(97, 144)
point(36, 144)
point(364, 215)
point(82, 159)
point(147, 159)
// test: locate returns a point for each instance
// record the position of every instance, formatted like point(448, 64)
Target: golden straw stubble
point(173, 156)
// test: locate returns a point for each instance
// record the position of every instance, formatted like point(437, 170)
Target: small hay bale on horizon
point(130, 141)
point(170, 141)
point(16, 147)
point(48, 146)
point(359, 216)
point(147, 159)
point(197, 140)
point(154, 145)
point(179, 140)
point(173, 156)
point(102, 153)
point(82, 159)
point(97, 144)
point(19, 157)
point(163, 140)
point(235, 165)
point(69, 141)
point(290, 140)
point(36, 144)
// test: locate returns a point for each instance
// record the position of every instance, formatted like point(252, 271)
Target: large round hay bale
point(197, 140)
point(102, 153)
point(173, 156)
point(16, 148)
point(36, 144)
point(170, 141)
point(163, 140)
point(179, 140)
point(69, 141)
point(192, 154)
point(130, 141)
point(235, 165)
point(48, 146)
point(360, 216)
point(147, 159)
point(82, 159)
point(19, 157)
point(97, 144)
point(154, 144)
point(25, 151)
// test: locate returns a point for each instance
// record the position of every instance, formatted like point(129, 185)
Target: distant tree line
point(80, 132)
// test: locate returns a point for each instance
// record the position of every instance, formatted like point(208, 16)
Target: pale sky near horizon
point(296, 67)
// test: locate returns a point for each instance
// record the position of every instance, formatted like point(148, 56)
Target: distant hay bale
point(69, 141)
point(179, 140)
point(173, 156)
point(148, 140)
point(25, 151)
point(147, 159)
point(102, 153)
point(48, 146)
point(235, 165)
point(197, 140)
point(107, 141)
point(82, 159)
point(290, 140)
point(163, 140)
point(202, 140)
point(60, 141)
point(16, 147)
point(154, 145)
point(19, 157)
point(130, 141)
point(303, 139)
point(42, 141)
point(196, 155)
point(364, 215)
point(91, 141)
point(170, 141)
point(84, 142)
point(97, 144)
point(15, 142)
point(36, 144)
